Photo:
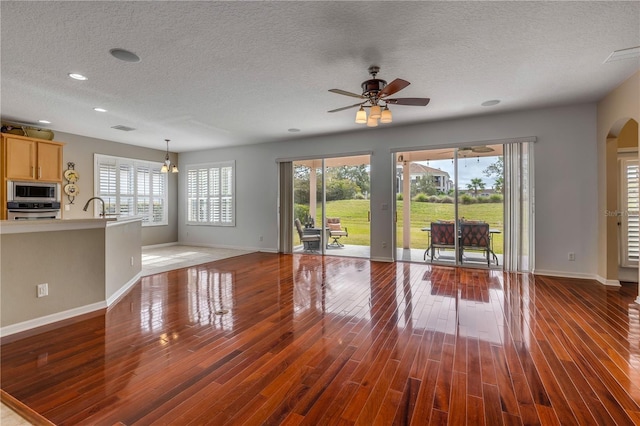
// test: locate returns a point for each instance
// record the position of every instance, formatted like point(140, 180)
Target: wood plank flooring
point(299, 339)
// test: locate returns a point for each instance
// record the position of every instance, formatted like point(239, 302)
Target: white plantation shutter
point(210, 198)
point(132, 188)
point(107, 186)
point(158, 196)
point(630, 212)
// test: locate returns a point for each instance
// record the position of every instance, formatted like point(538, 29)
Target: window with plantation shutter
point(210, 194)
point(629, 215)
point(132, 187)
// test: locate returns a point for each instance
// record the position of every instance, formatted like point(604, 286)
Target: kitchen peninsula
point(87, 265)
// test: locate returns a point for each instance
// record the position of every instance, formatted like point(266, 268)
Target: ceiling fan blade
point(480, 149)
point(347, 107)
point(408, 101)
point(344, 92)
point(393, 87)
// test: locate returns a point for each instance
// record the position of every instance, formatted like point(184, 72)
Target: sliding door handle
point(369, 216)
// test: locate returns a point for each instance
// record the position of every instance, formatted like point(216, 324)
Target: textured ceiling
point(221, 73)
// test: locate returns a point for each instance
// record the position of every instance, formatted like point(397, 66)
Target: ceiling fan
point(477, 149)
point(374, 95)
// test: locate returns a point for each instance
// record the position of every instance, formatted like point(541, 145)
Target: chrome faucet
point(86, 206)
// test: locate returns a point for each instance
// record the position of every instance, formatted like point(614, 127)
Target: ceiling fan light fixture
point(361, 116)
point(375, 112)
point(386, 116)
point(372, 122)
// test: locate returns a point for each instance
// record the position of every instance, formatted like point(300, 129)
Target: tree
point(424, 184)
point(475, 185)
point(357, 174)
point(301, 184)
point(496, 170)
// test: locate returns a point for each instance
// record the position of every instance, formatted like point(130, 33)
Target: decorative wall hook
point(72, 176)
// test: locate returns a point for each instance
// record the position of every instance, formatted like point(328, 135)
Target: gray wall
point(71, 262)
point(80, 150)
point(122, 245)
point(565, 181)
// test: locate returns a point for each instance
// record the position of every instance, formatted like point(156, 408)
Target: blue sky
point(468, 168)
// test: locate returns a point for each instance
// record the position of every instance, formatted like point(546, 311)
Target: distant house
point(441, 178)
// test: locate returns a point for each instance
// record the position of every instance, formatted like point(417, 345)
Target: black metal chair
point(443, 236)
point(475, 236)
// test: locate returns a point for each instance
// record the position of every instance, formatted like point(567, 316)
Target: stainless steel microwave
point(33, 191)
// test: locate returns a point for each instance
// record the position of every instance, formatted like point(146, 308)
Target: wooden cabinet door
point(49, 161)
point(21, 158)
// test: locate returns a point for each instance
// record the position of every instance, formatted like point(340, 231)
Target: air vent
point(123, 128)
point(618, 55)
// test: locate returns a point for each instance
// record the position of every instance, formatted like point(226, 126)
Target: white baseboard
point(222, 246)
point(382, 259)
point(603, 280)
point(49, 319)
point(124, 289)
point(579, 275)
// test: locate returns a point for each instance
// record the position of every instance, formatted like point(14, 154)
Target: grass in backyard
point(353, 214)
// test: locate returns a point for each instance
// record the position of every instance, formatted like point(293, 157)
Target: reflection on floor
point(407, 255)
point(162, 259)
point(346, 251)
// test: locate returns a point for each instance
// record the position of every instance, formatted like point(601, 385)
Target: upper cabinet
point(31, 159)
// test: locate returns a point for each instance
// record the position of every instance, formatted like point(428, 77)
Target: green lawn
point(353, 215)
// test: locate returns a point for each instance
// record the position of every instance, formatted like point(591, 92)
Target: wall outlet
point(384, 245)
point(260, 237)
point(67, 207)
point(43, 290)
point(572, 256)
point(131, 260)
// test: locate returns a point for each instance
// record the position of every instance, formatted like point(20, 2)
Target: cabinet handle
point(39, 172)
point(33, 172)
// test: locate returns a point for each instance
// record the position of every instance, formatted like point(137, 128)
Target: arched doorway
point(623, 235)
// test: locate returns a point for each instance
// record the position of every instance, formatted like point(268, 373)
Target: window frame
point(219, 165)
point(153, 168)
point(626, 160)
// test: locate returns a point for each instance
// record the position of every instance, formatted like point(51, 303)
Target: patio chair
point(335, 231)
point(475, 236)
point(443, 236)
point(310, 242)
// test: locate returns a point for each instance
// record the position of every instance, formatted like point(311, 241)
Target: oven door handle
point(34, 211)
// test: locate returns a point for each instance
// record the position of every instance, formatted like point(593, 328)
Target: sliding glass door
point(458, 206)
point(331, 213)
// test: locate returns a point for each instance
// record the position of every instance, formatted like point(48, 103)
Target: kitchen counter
point(87, 264)
point(47, 225)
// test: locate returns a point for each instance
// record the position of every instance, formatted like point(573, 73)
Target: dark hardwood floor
point(298, 339)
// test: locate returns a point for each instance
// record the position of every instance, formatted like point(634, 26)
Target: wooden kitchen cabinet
point(31, 159)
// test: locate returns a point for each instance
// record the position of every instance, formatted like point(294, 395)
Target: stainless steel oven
point(33, 200)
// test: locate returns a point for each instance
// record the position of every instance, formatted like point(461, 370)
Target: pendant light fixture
point(361, 116)
point(167, 163)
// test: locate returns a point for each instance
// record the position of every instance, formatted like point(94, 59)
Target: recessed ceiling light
point(124, 55)
point(293, 130)
point(491, 102)
point(77, 76)
point(618, 55)
point(99, 109)
point(44, 122)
